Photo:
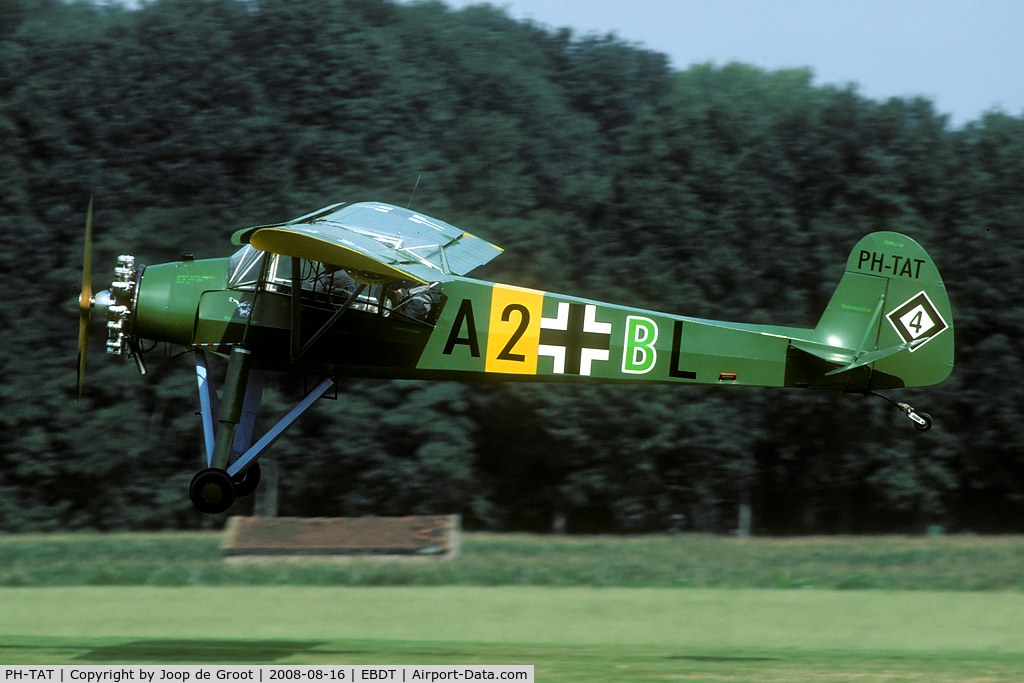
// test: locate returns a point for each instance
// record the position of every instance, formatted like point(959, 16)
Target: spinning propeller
point(85, 301)
point(116, 305)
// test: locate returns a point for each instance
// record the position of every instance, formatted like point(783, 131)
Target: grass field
point(512, 600)
point(950, 563)
point(566, 633)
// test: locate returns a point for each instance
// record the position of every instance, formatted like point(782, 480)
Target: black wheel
point(246, 481)
point(212, 491)
point(927, 422)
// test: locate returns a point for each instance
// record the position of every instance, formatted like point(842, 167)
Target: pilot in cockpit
point(417, 303)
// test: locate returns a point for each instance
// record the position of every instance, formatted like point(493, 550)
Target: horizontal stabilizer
point(870, 357)
point(830, 354)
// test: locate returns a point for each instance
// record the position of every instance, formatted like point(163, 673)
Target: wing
point(375, 237)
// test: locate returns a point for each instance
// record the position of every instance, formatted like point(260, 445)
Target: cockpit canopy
point(333, 285)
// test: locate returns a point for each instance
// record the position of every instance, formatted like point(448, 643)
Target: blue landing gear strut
point(232, 467)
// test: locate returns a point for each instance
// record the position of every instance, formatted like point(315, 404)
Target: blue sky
point(966, 56)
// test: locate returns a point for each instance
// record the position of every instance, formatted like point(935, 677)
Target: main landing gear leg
point(246, 480)
point(922, 421)
point(212, 490)
point(232, 463)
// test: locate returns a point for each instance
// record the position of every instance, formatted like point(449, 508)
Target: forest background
point(726, 192)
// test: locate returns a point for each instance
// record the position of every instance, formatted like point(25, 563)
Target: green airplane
point(374, 290)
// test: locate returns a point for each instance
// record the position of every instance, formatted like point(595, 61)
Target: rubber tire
point(247, 481)
point(927, 422)
point(212, 491)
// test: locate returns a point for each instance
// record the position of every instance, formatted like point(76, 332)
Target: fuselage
point(477, 330)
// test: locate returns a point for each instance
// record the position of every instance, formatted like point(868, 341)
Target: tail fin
point(890, 315)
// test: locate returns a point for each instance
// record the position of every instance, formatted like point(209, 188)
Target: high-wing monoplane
point(374, 290)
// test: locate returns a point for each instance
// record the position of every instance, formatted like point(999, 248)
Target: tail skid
point(922, 421)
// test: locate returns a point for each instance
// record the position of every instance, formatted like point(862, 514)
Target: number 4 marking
point(917, 319)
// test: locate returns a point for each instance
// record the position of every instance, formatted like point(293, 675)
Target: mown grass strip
point(901, 621)
point(569, 634)
point(700, 619)
point(955, 563)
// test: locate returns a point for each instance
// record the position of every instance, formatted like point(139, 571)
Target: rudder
point(891, 312)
